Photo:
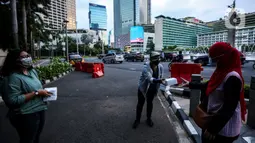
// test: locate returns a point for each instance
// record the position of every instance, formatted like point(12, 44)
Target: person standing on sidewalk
point(23, 94)
point(149, 83)
point(223, 96)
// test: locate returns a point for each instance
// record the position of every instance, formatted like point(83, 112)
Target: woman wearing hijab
point(224, 95)
point(23, 94)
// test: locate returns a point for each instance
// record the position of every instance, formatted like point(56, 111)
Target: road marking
point(249, 139)
point(132, 69)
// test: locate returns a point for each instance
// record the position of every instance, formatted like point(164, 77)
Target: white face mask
point(26, 62)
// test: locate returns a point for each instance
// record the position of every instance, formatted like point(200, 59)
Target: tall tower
point(56, 14)
point(59, 11)
point(71, 14)
point(128, 13)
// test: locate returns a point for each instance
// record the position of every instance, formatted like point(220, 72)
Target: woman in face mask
point(23, 94)
point(223, 96)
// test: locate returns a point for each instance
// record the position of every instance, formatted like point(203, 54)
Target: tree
point(14, 23)
point(86, 38)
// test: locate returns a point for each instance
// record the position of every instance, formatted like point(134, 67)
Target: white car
point(113, 58)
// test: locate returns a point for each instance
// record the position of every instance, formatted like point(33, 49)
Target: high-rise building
point(71, 14)
point(59, 11)
point(127, 14)
point(97, 17)
point(170, 32)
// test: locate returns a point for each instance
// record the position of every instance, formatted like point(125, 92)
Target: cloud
point(206, 10)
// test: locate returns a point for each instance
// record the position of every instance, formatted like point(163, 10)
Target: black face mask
point(156, 62)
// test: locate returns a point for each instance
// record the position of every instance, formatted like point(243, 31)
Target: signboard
point(136, 34)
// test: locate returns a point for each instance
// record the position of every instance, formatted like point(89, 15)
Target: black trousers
point(141, 99)
point(29, 126)
point(219, 139)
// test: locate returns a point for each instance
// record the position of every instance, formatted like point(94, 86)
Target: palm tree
point(24, 23)
point(14, 23)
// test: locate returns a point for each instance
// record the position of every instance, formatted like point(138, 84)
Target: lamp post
point(77, 39)
point(67, 52)
point(63, 49)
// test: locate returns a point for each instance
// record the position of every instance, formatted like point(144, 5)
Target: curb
point(183, 117)
point(46, 82)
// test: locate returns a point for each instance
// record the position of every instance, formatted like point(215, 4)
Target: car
point(100, 56)
point(204, 59)
point(134, 57)
point(113, 58)
point(74, 58)
point(168, 56)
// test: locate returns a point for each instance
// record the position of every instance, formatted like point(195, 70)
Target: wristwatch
point(36, 93)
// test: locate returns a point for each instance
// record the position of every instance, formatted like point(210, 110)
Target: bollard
point(251, 107)
point(194, 94)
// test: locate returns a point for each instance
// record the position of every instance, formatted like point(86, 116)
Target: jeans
point(141, 99)
point(28, 126)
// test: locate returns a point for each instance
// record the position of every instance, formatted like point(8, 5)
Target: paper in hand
point(53, 91)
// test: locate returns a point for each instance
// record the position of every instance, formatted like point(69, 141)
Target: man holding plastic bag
point(149, 84)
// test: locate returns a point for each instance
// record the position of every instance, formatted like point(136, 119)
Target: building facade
point(97, 17)
point(129, 13)
point(59, 11)
point(243, 36)
point(170, 32)
point(219, 25)
point(71, 14)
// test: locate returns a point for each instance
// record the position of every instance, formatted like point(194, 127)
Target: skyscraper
point(71, 14)
point(127, 14)
point(59, 11)
point(97, 17)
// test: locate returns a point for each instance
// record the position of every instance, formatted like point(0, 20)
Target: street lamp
point(63, 49)
point(67, 52)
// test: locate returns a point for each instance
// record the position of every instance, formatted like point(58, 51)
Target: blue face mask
point(26, 62)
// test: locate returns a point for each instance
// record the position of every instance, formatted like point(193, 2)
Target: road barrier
point(97, 69)
point(184, 71)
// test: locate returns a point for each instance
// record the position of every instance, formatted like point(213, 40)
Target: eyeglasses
point(25, 56)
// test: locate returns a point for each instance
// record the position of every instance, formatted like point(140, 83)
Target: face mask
point(156, 62)
point(26, 62)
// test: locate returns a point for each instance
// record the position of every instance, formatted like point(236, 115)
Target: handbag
point(201, 117)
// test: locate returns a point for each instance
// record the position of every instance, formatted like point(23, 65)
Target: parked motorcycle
point(176, 60)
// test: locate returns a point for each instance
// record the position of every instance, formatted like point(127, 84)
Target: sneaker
point(135, 124)
point(149, 122)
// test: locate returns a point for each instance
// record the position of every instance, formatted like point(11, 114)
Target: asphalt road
point(206, 73)
point(98, 111)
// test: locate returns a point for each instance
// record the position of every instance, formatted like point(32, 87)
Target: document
point(53, 97)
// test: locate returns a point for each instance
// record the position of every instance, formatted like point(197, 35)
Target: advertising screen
point(136, 34)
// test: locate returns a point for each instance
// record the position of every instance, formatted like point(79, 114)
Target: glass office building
point(128, 13)
point(171, 31)
point(97, 17)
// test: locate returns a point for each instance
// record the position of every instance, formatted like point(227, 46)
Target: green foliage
point(55, 68)
point(246, 91)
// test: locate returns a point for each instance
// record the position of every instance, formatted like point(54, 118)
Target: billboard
point(136, 34)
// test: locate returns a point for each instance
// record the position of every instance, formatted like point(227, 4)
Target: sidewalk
point(247, 134)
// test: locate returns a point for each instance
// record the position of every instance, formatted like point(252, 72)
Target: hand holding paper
point(53, 91)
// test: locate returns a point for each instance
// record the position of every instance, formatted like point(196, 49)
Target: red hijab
point(228, 60)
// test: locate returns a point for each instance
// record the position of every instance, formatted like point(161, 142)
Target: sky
point(205, 10)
